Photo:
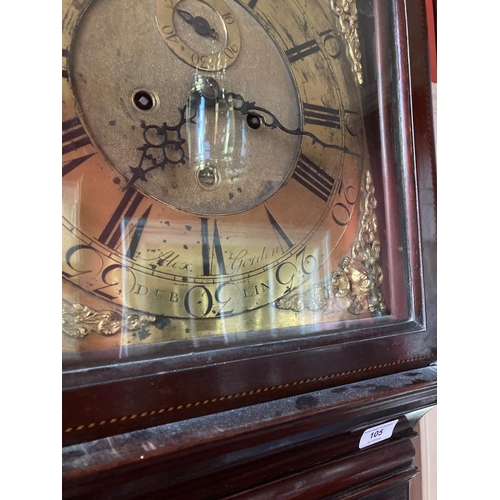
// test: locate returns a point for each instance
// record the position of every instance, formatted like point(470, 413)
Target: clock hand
point(150, 161)
point(200, 24)
point(257, 116)
point(203, 87)
point(207, 88)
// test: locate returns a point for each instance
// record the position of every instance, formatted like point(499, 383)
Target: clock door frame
point(102, 398)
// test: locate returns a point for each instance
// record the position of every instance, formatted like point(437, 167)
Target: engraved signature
point(244, 259)
point(170, 259)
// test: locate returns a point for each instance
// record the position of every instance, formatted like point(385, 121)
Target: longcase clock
point(248, 259)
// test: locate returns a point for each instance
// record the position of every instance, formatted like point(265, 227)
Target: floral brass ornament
point(78, 320)
point(356, 288)
point(347, 13)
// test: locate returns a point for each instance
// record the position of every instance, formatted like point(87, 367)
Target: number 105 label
point(376, 434)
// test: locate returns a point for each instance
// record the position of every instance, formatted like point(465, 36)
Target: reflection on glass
point(225, 164)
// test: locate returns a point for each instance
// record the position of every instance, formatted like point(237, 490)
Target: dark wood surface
point(311, 439)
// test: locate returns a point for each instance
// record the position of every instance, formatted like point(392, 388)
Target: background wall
point(424, 485)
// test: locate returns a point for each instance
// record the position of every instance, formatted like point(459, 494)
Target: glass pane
point(229, 170)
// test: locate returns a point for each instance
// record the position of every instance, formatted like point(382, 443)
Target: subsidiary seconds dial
point(203, 34)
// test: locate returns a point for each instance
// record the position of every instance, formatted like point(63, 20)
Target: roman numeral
point(65, 55)
point(279, 232)
point(251, 4)
point(301, 51)
point(208, 251)
point(311, 47)
point(73, 138)
point(313, 178)
point(119, 226)
point(320, 115)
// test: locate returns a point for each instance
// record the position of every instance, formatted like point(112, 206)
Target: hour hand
point(200, 24)
point(167, 148)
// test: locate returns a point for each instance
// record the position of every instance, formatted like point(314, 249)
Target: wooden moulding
point(314, 437)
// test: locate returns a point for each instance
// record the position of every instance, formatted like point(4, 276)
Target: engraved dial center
point(133, 113)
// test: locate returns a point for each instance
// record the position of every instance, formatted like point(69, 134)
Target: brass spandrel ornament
point(347, 12)
point(213, 159)
point(79, 320)
point(357, 286)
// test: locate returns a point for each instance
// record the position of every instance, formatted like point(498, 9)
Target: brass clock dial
point(208, 189)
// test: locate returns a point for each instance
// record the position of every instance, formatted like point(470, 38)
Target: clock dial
point(203, 34)
point(206, 190)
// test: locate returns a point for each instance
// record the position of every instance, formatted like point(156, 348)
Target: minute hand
point(268, 119)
